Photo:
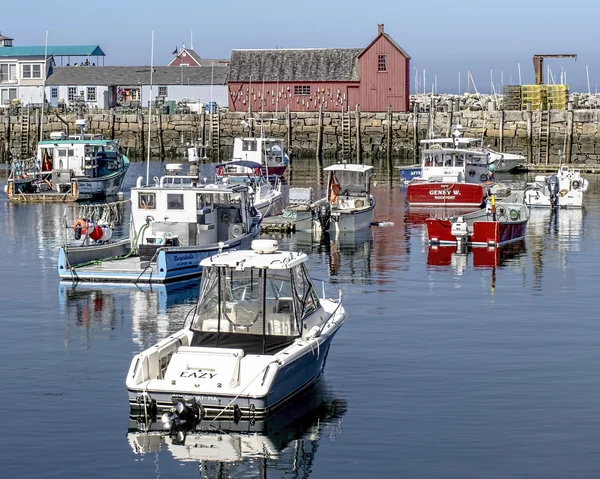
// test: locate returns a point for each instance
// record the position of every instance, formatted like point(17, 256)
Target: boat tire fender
point(514, 214)
point(576, 184)
point(483, 177)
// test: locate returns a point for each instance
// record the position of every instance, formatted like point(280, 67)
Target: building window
point(91, 93)
point(175, 201)
point(7, 94)
point(54, 92)
point(162, 91)
point(381, 63)
point(8, 72)
point(32, 71)
point(71, 93)
point(302, 90)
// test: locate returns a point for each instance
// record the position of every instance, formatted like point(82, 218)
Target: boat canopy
point(243, 163)
point(256, 302)
point(450, 141)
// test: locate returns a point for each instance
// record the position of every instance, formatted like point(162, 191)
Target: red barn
point(304, 79)
point(186, 57)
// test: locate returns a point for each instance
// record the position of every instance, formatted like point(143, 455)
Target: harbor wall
point(573, 132)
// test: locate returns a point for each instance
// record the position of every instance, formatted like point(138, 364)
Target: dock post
point(7, 137)
point(449, 109)
point(320, 133)
point(358, 135)
point(250, 120)
point(529, 115)
point(569, 145)
point(389, 134)
point(111, 122)
point(415, 137)
point(202, 132)
point(288, 124)
point(38, 131)
point(501, 130)
point(141, 134)
point(161, 145)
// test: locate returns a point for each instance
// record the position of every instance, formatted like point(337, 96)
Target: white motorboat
point(264, 196)
point(259, 335)
point(564, 189)
point(77, 168)
point(175, 223)
point(268, 152)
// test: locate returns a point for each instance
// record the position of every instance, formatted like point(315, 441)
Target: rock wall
point(381, 134)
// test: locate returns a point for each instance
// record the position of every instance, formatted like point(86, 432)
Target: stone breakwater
point(575, 133)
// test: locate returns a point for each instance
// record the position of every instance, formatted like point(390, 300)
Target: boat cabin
point(259, 150)
point(67, 159)
point(454, 165)
point(257, 300)
point(177, 211)
point(348, 185)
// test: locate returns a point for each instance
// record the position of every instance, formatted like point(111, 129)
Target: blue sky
point(441, 36)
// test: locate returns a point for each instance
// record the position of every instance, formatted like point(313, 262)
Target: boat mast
point(150, 111)
point(41, 136)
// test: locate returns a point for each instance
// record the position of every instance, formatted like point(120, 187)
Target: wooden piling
point(250, 120)
point(288, 123)
point(203, 131)
point(415, 137)
point(569, 145)
point(111, 123)
point(142, 148)
point(320, 133)
point(358, 135)
point(449, 109)
point(161, 144)
point(529, 115)
point(389, 134)
point(501, 130)
point(7, 128)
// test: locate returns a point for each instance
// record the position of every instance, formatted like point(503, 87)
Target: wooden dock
point(553, 167)
point(278, 224)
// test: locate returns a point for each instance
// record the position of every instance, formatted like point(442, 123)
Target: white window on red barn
point(381, 63)
point(302, 90)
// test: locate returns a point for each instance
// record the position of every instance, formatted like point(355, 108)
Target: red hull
point(444, 194)
point(485, 233)
point(275, 170)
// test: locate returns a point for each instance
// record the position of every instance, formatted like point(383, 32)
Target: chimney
point(380, 29)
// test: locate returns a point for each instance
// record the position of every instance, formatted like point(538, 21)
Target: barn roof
point(65, 51)
point(120, 76)
point(203, 62)
point(391, 40)
point(310, 64)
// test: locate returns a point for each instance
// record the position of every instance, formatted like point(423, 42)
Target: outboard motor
point(324, 216)
point(553, 189)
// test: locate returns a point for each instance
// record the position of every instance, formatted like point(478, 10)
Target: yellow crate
point(557, 88)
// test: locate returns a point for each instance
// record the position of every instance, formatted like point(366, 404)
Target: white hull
point(267, 206)
point(536, 198)
point(351, 220)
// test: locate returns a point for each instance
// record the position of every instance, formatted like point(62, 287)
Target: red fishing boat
point(494, 225)
point(451, 176)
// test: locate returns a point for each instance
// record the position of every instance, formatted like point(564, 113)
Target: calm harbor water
point(469, 366)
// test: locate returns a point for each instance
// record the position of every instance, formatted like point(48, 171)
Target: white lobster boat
point(564, 189)
point(259, 335)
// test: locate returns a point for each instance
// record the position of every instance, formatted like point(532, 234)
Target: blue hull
point(407, 174)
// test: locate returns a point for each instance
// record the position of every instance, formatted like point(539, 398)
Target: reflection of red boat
point(482, 227)
point(418, 215)
point(490, 257)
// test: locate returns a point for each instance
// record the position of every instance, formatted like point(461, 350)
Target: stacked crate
point(511, 97)
point(558, 96)
point(537, 95)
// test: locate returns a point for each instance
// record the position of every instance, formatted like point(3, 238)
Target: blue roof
point(245, 163)
point(64, 51)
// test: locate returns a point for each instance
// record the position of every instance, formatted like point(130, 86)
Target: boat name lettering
point(197, 374)
point(184, 257)
point(444, 192)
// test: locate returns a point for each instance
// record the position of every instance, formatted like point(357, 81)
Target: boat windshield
point(353, 181)
point(241, 307)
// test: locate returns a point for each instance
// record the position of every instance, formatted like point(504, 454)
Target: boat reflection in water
point(348, 254)
point(156, 310)
point(286, 441)
point(482, 257)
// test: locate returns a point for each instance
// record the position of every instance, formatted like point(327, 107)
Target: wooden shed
point(334, 78)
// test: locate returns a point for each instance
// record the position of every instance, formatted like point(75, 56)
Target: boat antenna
point(41, 137)
point(150, 111)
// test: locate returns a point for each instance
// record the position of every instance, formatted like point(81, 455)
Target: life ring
point(576, 184)
point(471, 172)
point(483, 177)
point(514, 214)
point(278, 159)
point(79, 228)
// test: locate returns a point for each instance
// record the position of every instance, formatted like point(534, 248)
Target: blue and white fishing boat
point(175, 223)
point(259, 336)
point(75, 168)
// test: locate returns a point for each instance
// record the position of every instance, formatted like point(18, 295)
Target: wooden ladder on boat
point(346, 136)
point(544, 137)
point(215, 131)
point(24, 133)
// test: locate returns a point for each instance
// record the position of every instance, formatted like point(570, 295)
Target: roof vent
point(264, 246)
